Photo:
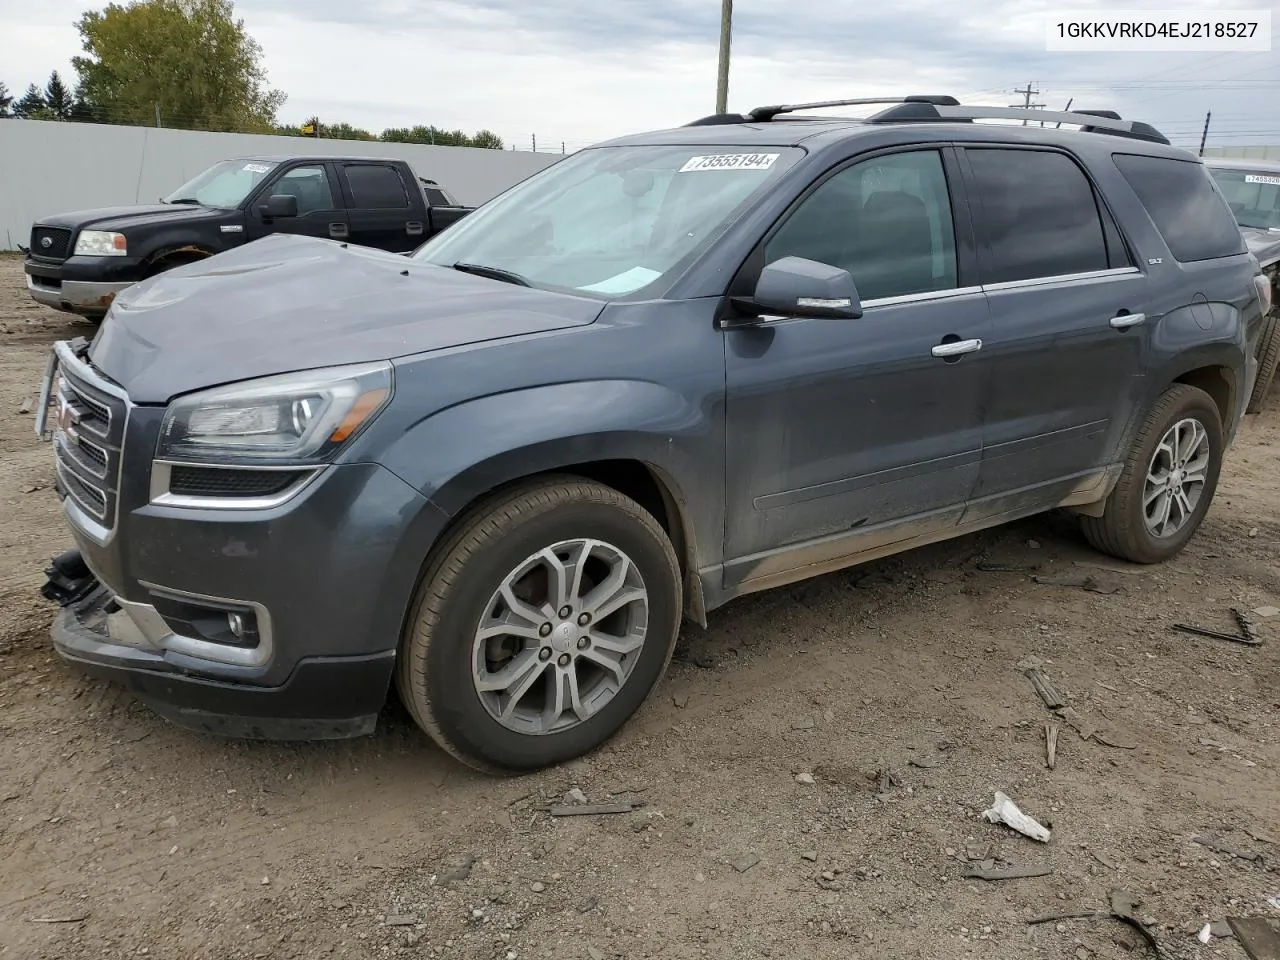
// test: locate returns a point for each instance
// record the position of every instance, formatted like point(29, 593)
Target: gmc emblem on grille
point(46, 242)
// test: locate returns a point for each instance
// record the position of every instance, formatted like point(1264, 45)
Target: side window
point(376, 186)
point(886, 220)
point(1036, 215)
point(310, 185)
point(1189, 212)
point(436, 197)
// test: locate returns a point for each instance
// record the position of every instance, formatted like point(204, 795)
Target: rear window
point(1185, 206)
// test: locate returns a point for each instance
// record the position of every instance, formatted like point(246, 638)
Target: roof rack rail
point(1089, 121)
point(768, 113)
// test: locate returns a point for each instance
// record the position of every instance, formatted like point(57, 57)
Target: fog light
point(235, 623)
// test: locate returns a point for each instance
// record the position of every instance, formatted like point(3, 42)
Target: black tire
point(1121, 530)
point(434, 669)
point(1268, 360)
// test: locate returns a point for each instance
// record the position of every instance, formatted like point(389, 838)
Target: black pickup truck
point(79, 261)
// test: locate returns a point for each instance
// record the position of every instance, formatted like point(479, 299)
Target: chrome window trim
point(1113, 273)
point(947, 294)
point(161, 635)
point(162, 470)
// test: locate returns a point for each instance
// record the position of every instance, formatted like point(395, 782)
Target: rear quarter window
point(1185, 206)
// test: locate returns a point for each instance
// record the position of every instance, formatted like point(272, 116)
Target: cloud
point(577, 71)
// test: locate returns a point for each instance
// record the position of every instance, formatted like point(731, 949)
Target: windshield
point(224, 184)
point(1254, 196)
point(611, 220)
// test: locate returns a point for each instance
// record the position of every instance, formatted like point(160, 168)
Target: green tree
point(6, 99)
point(189, 61)
point(32, 105)
point(58, 101)
point(488, 140)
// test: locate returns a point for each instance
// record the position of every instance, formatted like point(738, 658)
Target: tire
point(441, 655)
point(1268, 360)
point(1123, 530)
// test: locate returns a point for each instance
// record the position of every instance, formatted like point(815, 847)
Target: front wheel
point(1167, 483)
point(541, 625)
point(1268, 361)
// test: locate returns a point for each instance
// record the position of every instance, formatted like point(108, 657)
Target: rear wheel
point(1168, 480)
point(542, 624)
point(1268, 361)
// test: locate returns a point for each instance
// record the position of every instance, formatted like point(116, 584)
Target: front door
point(1068, 328)
point(842, 431)
point(320, 209)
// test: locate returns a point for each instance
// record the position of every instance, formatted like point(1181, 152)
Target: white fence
point(1244, 153)
point(48, 168)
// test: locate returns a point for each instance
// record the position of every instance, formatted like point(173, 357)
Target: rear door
point(320, 207)
point(382, 208)
point(1068, 327)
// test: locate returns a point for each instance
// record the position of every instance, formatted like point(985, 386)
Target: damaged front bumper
point(133, 645)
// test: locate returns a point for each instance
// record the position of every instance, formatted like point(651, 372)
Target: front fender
point(460, 453)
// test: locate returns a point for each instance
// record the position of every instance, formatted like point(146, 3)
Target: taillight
point(1263, 285)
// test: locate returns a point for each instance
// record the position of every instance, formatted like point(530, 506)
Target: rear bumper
point(323, 698)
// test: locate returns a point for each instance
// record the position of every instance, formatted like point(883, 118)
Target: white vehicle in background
point(1252, 188)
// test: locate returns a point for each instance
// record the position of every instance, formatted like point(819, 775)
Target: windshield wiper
point(493, 273)
point(186, 200)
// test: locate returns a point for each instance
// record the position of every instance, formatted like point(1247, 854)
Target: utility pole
point(158, 123)
point(535, 143)
point(722, 74)
point(1026, 104)
point(1205, 136)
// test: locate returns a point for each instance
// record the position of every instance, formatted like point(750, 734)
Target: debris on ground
point(1218, 930)
point(1123, 905)
point(401, 920)
point(681, 700)
point(25, 406)
point(1260, 936)
point(591, 809)
point(1217, 846)
point(576, 796)
point(1006, 811)
point(1051, 744)
point(1070, 915)
point(982, 872)
point(1084, 581)
point(1052, 699)
point(991, 566)
point(79, 918)
point(805, 778)
point(745, 863)
point(459, 873)
point(1246, 636)
point(1266, 613)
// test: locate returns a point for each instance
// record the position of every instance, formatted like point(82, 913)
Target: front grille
point(88, 434)
point(50, 243)
point(212, 482)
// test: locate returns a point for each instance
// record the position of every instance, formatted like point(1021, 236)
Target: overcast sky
point(582, 70)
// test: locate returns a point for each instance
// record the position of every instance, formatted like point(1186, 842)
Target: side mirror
point(279, 205)
point(796, 287)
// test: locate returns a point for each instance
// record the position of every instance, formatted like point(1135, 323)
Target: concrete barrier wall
point(49, 168)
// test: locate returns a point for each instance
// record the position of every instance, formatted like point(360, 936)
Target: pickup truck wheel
point(1167, 483)
point(1268, 360)
point(541, 625)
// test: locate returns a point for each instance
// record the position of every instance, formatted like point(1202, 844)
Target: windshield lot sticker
point(632, 279)
point(1259, 178)
point(256, 167)
point(730, 161)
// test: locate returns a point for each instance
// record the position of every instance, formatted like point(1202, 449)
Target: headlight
point(299, 417)
point(99, 243)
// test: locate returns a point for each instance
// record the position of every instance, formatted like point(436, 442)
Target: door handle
point(1124, 321)
point(413, 228)
point(338, 230)
point(956, 348)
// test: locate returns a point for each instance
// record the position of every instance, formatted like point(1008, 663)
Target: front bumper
point(323, 698)
point(81, 285)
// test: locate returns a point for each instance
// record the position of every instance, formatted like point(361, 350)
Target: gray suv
point(665, 372)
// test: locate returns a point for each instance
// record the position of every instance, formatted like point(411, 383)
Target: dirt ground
point(810, 775)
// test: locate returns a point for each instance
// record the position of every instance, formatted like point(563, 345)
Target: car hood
point(1263, 244)
point(287, 303)
point(119, 219)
